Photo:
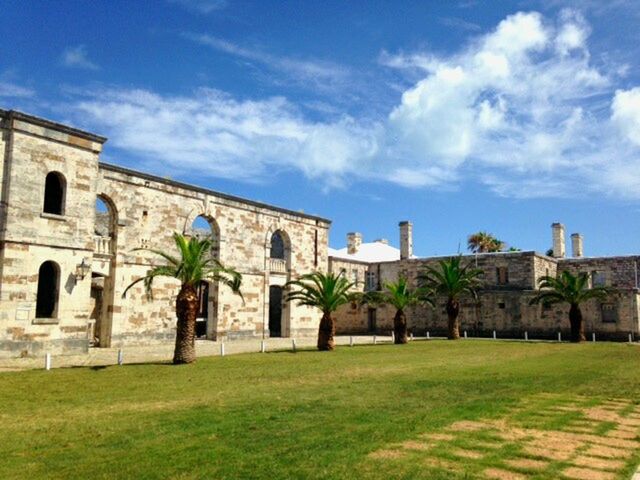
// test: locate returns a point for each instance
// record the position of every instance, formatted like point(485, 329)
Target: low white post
point(494, 335)
point(351, 341)
point(411, 337)
point(630, 339)
point(428, 335)
point(263, 347)
point(559, 336)
point(222, 349)
point(47, 361)
point(120, 356)
point(393, 337)
point(293, 345)
point(526, 336)
point(593, 337)
point(374, 339)
point(465, 334)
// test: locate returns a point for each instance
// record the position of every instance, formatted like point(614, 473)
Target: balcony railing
point(277, 265)
point(102, 245)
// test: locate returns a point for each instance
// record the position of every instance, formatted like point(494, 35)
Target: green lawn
point(380, 411)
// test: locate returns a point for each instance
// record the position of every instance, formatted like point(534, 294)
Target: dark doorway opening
point(203, 309)
point(371, 320)
point(47, 296)
point(53, 194)
point(275, 311)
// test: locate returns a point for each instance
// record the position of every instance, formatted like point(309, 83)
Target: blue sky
point(459, 116)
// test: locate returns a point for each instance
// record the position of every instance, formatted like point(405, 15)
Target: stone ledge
point(53, 216)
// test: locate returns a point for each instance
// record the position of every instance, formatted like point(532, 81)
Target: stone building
point(69, 227)
point(509, 282)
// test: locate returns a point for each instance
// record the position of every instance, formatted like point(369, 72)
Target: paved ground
point(164, 353)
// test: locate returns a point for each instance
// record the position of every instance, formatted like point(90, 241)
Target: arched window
point(54, 193)
point(48, 282)
point(277, 245)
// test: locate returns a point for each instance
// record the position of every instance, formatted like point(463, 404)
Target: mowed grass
point(303, 415)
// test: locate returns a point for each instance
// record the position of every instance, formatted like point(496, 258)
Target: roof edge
point(43, 122)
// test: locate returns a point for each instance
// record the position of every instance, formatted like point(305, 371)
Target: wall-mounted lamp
point(82, 270)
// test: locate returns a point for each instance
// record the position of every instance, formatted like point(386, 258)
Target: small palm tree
point(326, 292)
point(193, 265)
point(483, 242)
point(452, 280)
point(571, 289)
point(401, 296)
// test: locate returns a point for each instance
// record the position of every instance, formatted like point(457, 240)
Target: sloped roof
point(368, 252)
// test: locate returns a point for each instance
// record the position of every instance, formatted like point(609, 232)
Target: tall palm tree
point(401, 296)
point(571, 289)
point(452, 280)
point(483, 242)
point(326, 292)
point(193, 264)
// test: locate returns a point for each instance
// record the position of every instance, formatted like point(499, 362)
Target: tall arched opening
point(207, 318)
point(278, 253)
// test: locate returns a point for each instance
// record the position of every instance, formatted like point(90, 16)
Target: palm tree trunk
point(400, 327)
point(326, 332)
point(186, 311)
point(453, 308)
point(577, 325)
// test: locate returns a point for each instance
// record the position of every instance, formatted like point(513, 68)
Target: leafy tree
point(452, 280)
point(483, 242)
point(193, 264)
point(326, 292)
point(401, 296)
point(514, 249)
point(571, 289)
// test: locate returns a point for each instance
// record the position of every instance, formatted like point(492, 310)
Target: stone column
point(354, 240)
point(558, 240)
point(406, 240)
point(576, 245)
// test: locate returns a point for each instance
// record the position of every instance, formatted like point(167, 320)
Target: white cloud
point(521, 109)
point(201, 6)
point(321, 75)
point(76, 57)
point(8, 89)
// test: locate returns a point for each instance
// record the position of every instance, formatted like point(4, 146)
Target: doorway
point(275, 311)
point(371, 320)
point(203, 309)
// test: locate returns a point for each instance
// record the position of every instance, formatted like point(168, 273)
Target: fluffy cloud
point(522, 109)
point(76, 57)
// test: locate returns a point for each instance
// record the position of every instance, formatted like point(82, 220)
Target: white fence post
point(263, 347)
point(593, 337)
point(47, 361)
point(465, 334)
point(494, 335)
point(351, 341)
point(411, 337)
point(393, 337)
point(120, 356)
point(428, 335)
point(374, 339)
point(526, 336)
point(293, 345)
point(559, 336)
point(630, 339)
point(222, 349)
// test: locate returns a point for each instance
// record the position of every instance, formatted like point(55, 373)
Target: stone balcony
point(278, 266)
point(102, 245)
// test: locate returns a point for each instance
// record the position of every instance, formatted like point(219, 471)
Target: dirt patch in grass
point(527, 464)
point(587, 474)
point(500, 474)
point(596, 462)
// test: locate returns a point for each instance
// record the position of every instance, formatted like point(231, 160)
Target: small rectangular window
point(354, 276)
point(598, 279)
point(371, 281)
point(609, 313)
point(501, 305)
point(502, 275)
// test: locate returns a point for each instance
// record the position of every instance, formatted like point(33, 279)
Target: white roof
point(368, 252)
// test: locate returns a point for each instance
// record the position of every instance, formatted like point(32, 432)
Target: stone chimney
point(558, 240)
point(406, 240)
point(577, 250)
point(354, 240)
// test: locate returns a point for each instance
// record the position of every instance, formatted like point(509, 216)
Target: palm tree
point(193, 265)
point(571, 289)
point(399, 295)
point(452, 281)
point(483, 242)
point(326, 292)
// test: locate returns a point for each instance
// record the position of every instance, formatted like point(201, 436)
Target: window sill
point(46, 321)
point(53, 216)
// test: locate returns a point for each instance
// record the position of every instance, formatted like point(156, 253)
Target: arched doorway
point(207, 318)
point(103, 273)
point(275, 311)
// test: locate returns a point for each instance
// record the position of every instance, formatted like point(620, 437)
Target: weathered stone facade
point(509, 283)
point(94, 260)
